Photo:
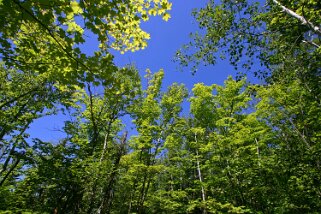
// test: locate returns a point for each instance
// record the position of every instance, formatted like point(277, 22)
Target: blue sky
point(166, 39)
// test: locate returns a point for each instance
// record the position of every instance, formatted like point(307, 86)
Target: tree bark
point(200, 178)
point(303, 20)
point(105, 206)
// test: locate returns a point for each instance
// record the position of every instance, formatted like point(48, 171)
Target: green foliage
point(251, 34)
point(243, 149)
point(24, 98)
point(240, 148)
point(45, 37)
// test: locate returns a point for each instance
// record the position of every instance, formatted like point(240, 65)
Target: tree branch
point(314, 28)
point(311, 43)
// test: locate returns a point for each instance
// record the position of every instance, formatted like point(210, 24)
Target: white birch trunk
point(303, 20)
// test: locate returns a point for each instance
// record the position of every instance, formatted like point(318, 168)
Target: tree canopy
point(233, 148)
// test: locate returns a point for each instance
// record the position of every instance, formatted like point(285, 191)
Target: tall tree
point(24, 98)
point(294, 115)
point(45, 66)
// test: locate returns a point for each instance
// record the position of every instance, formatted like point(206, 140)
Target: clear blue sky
point(166, 39)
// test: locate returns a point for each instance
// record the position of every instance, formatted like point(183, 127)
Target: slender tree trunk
point(105, 206)
point(143, 192)
point(258, 152)
point(172, 189)
point(4, 167)
point(147, 177)
point(200, 178)
point(201, 181)
point(10, 170)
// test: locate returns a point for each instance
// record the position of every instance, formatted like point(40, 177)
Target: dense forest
point(238, 147)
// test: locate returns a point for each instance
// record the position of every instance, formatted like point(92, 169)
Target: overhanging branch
point(46, 28)
point(303, 20)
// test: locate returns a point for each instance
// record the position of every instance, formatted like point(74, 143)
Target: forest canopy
point(239, 147)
